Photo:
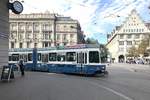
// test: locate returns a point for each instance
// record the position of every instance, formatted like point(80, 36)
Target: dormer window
point(121, 36)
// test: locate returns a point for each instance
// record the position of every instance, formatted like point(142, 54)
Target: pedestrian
point(21, 67)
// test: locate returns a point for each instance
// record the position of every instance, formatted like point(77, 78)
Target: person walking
point(21, 67)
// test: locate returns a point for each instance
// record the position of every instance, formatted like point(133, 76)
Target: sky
point(97, 17)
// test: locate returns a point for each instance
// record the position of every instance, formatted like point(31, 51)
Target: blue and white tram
point(79, 59)
point(15, 55)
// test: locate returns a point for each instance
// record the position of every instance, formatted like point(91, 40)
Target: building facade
point(4, 32)
point(129, 34)
point(43, 30)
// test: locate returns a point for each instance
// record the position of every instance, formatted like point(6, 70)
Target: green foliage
point(132, 52)
point(143, 46)
point(104, 53)
point(141, 50)
point(91, 41)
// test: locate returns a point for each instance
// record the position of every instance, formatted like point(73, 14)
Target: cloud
point(95, 16)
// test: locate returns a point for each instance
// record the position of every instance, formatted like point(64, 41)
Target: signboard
point(7, 73)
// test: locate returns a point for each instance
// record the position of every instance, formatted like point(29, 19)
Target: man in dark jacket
point(21, 67)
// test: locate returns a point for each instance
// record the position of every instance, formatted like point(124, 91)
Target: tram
point(77, 59)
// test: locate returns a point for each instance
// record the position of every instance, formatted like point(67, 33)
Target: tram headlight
point(103, 67)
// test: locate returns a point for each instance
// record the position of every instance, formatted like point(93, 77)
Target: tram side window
point(85, 58)
point(61, 57)
point(39, 56)
point(15, 57)
point(44, 57)
point(80, 57)
point(93, 57)
point(20, 56)
point(30, 57)
point(10, 58)
point(52, 56)
point(71, 56)
point(25, 58)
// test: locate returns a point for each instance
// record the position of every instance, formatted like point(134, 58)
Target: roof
point(117, 28)
point(77, 46)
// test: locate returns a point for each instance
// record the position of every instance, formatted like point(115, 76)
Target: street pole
point(55, 18)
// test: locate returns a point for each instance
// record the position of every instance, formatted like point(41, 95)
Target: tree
point(104, 53)
point(142, 48)
point(91, 41)
point(132, 52)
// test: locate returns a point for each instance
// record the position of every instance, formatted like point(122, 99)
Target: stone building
point(43, 30)
point(129, 34)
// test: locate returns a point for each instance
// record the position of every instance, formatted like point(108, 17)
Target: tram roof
point(78, 46)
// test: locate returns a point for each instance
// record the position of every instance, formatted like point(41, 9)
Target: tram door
point(81, 60)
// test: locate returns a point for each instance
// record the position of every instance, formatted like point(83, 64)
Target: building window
point(58, 28)
point(45, 44)
point(50, 36)
point(129, 36)
point(28, 35)
point(64, 36)
point(121, 36)
point(58, 36)
point(121, 42)
point(124, 30)
point(12, 45)
point(129, 42)
point(35, 36)
point(20, 45)
point(49, 44)
point(12, 35)
point(71, 36)
point(65, 43)
point(35, 44)
point(28, 27)
point(13, 27)
point(21, 36)
point(46, 36)
point(137, 42)
point(134, 30)
point(21, 27)
point(36, 27)
point(46, 27)
point(28, 44)
point(137, 36)
point(121, 49)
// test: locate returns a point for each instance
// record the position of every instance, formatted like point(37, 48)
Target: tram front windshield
point(94, 57)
